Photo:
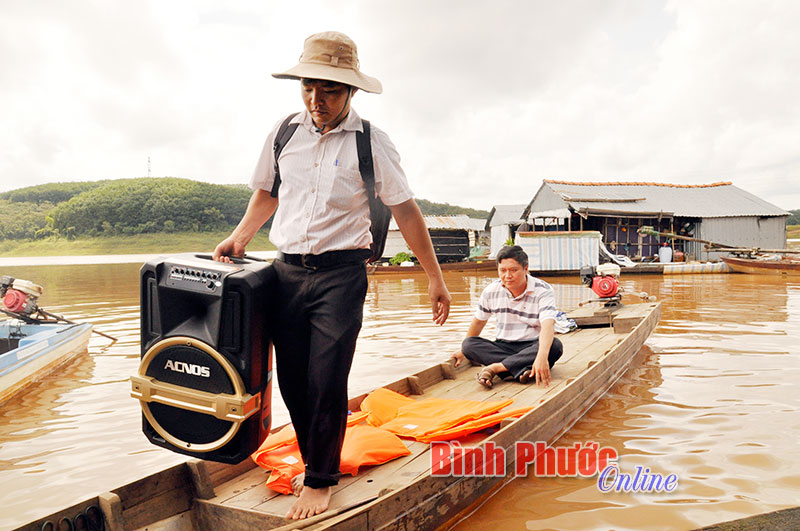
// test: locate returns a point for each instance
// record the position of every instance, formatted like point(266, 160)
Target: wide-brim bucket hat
point(331, 56)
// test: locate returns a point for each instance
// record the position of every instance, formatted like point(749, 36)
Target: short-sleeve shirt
point(518, 319)
point(322, 200)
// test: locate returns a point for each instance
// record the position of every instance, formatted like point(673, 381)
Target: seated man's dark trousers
point(318, 317)
point(516, 356)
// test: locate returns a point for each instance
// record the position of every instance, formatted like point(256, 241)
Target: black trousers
point(517, 356)
point(318, 318)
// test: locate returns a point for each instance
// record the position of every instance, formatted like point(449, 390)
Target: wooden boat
point(472, 265)
point(30, 351)
point(400, 494)
point(785, 265)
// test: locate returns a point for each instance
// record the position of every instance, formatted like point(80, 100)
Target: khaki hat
point(331, 56)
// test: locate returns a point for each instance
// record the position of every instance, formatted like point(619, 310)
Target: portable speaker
point(205, 376)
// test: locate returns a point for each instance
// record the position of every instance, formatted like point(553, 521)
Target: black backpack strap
point(364, 149)
point(379, 214)
point(285, 132)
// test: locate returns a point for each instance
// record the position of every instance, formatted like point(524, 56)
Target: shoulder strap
point(379, 214)
point(285, 132)
point(364, 149)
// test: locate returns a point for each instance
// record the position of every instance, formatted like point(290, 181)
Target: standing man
point(526, 347)
point(322, 231)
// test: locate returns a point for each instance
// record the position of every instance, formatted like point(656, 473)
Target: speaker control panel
point(195, 277)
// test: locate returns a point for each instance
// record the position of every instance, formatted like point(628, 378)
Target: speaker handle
point(233, 408)
point(236, 260)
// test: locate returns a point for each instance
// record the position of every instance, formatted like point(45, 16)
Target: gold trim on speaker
point(234, 408)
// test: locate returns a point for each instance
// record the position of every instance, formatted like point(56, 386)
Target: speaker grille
point(188, 366)
point(195, 428)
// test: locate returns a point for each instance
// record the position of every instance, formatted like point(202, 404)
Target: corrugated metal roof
point(702, 201)
point(505, 214)
point(448, 222)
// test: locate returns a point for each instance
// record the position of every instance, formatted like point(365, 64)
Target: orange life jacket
point(363, 445)
point(382, 405)
point(475, 425)
point(432, 415)
point(287, 436)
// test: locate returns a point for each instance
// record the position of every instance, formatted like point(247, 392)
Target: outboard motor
point(20, 296)
point(204, 380)
point(603, 281)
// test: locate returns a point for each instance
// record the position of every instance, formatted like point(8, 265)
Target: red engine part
point(605, 286)
point(17, 302)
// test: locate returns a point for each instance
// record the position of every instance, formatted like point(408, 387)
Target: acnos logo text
point(188, 368)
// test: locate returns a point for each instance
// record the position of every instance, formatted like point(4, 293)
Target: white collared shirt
point(518, 318)
point(322, 200)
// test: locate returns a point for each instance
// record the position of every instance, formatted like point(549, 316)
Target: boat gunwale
point(774, 267)
point(202, 477)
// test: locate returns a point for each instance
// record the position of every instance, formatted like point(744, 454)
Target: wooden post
point(201, 479)
point(111, 506)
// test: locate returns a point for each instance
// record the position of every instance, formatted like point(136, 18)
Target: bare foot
point(297, 483)
point(311, 502)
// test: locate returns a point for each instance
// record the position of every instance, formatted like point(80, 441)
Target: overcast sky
point(483, 99)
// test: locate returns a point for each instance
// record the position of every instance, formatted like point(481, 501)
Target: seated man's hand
point(458, 358)
point(541, 370)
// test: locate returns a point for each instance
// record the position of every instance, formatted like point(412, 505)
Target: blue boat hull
point(31, 351)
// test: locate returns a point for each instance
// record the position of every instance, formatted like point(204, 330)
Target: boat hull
point(784, 267)
point(43, 349)
point(400, 494)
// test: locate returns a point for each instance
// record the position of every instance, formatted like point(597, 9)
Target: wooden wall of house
point(621, 236)
point(450, 245)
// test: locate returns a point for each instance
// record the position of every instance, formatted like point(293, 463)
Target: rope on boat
point(30, 319)
point(91, 519)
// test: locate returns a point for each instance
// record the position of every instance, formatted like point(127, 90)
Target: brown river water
point(711, 398)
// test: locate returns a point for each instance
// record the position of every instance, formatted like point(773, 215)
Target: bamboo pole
point(713, 246)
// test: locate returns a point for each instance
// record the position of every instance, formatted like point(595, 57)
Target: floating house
point(503, 223)
point(718, 212)
point(452, 237)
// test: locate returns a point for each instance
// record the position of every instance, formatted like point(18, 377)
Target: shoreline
point(21, 261)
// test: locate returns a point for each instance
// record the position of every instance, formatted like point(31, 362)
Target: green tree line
point(430, 208)
point(53, 193)
point(20, 220)
point(794, 218)
point(135, 206)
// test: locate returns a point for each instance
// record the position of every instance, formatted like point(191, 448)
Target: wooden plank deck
point(583, 348)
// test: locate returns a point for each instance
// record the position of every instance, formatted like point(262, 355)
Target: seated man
point(526, 347)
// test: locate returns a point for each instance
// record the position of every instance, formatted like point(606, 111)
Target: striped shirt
point(518, 319)
point(322, 200)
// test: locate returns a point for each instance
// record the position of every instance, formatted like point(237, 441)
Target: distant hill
point(138, 205)
point(51, 192)
point(429, 208)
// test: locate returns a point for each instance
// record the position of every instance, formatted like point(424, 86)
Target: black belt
point(326, 260)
